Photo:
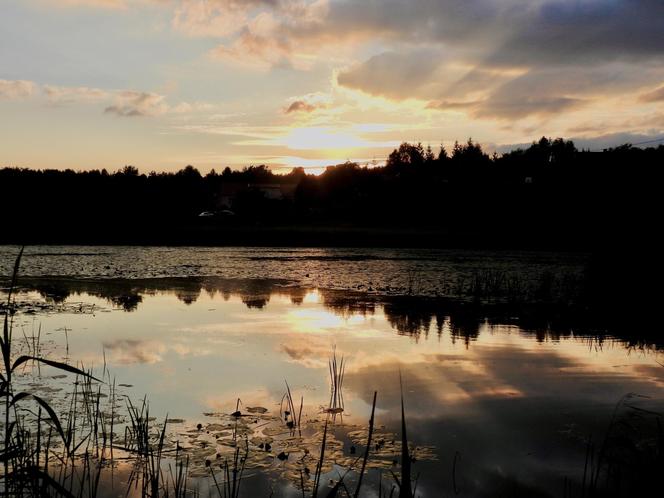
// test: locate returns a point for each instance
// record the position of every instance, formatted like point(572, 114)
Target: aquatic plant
point(21, 451)
point(337, 370)
point(368, 447)
point(47, 453)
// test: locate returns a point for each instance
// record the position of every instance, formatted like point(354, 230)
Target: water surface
point(515, 400)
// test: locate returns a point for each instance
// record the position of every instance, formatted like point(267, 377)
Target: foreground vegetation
point(46, 453)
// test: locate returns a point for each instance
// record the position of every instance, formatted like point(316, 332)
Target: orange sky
point(163, 83)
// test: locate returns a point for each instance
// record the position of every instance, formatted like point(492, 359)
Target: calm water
point(516, 404)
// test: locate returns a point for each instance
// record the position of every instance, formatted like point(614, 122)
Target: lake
point(502, 390)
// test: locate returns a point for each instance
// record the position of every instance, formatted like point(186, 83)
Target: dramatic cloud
point(535, 93)
point(16, 89)
point(390, 74)
point(133, 104)
point(297, 79)
point(447, 52)
point(588, 32)
point(515, 107)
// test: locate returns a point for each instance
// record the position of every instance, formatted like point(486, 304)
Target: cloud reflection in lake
point(517, 402)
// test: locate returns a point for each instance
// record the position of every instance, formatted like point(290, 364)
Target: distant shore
point(199, 233)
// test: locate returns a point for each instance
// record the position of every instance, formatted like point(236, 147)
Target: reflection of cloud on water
point(654, 373)
point(131, 351)
point(433, 384)
point(314, 352)
point(147, 352)
point(436, 384)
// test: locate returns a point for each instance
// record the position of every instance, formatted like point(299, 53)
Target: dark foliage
point(549, 194)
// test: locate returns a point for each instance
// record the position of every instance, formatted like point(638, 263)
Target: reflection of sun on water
point(311, 297)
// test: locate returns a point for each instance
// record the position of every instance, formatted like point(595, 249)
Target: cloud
point(107, 4)
point(534, 93)
point(309, 103)
point(479, 50)
point(545, 91)
point(16, 89)
point(491, 59)
point(260, 33)
point(187, 107)
point(516, 106)
point(446, 105)
point(255, 50)
point(300, 106)
point(217, 18)
point(654, 96)
point(125, 103)
point(62, 94)
point(133, 104)
point(503, 33)
point(506, 60)
point(587, 32)
point(393, 74)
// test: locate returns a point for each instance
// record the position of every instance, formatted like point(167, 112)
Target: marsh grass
point(492, 286)
point(337, 368)
point(24, 457)
point(65, 455)
point(51, 454)
point(292, 417)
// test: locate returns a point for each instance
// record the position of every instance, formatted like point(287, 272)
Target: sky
point(160, 84)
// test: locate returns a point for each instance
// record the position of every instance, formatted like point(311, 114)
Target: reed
point(23, 471)
point(368, 447)
point(292, 417)
point(337, 370)
point(46, 453)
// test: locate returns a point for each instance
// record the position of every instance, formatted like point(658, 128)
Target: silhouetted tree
point(547, 191)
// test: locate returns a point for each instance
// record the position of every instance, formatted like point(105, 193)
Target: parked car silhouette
point(212, 214)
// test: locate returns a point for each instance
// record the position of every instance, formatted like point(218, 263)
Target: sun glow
point(320, 138)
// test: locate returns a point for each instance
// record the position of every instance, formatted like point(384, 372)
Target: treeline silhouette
point(549, 194)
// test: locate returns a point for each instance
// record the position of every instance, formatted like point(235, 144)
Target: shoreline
point(298, 236)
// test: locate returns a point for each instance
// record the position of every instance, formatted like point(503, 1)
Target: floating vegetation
point(59, 442)
point(266, 442)
point(290, 415)
point(35, 306)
